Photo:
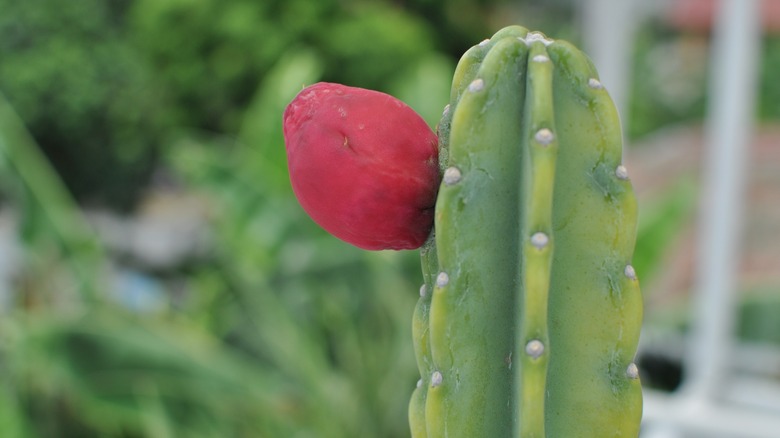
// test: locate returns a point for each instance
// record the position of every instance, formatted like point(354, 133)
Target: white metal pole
point(733, 69)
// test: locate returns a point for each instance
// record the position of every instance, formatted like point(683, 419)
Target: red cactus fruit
point(363, 165)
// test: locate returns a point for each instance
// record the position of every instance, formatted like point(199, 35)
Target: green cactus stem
point(529, 317)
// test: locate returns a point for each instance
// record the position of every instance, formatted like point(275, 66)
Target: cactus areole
point(363, 165)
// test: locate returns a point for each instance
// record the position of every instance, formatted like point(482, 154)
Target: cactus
point(529, 315)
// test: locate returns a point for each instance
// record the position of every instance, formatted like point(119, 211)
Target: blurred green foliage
point(282, 331)
point(88, 97)
point(661, 222)
point(668, 80)
point(101, 84)
point(670, 74)
point(758, 321)
point(769, 96)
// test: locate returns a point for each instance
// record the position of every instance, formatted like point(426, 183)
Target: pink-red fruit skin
point(363, 165)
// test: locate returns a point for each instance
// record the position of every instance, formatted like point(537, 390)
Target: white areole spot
point(536, 36)
point(544, 136)
point(621, 172)
point(630, 272)
point(442, 279)
point(436, 379)
point(539, 240)
point(451, 176)
point(476, 85)
point(534, 348)
point(595, 84)
point(540, 58)
point(632, 371)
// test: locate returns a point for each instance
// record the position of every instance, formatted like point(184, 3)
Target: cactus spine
point(529, 317)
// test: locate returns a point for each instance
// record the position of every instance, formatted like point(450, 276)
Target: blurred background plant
point(158, 278)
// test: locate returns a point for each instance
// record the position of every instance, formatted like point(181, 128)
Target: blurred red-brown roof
point(698, 15)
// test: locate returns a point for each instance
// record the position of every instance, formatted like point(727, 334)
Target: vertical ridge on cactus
point(533, 332)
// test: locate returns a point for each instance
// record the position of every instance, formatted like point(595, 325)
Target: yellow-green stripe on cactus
point(529, 317)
